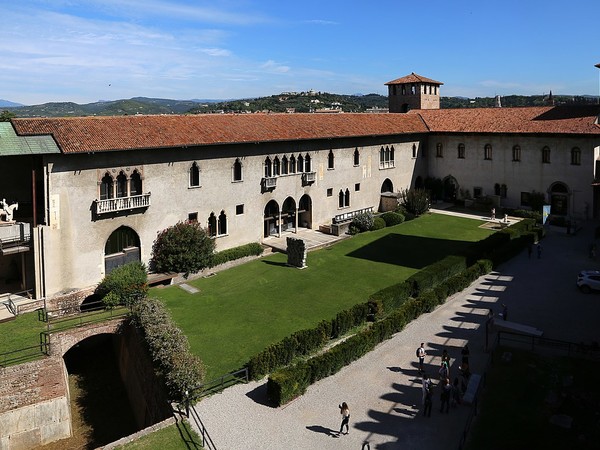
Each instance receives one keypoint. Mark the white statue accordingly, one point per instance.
(8, 210)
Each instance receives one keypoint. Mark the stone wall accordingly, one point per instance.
(34, 404)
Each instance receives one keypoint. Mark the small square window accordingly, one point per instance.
(239, 209)
(193, 217)
(330, 192)
(357, 187)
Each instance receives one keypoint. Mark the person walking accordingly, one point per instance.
(428, 402)
(345, 412)
(421, 356)
(445, 395)
(444, 372)
(425, 386)
(446, 357)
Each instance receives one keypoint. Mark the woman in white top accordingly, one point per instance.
(345, 412)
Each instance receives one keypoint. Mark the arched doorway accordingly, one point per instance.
(559, 199)
(305, 211)
(122, 246)
(288, 215)
(387, 186)
(271, 219)
(450, 188)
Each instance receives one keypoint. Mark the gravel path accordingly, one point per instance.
(383, 389)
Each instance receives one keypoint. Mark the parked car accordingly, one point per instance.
(588, 281)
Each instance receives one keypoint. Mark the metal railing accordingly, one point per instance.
(122, 203)
(351, 215)
(11, 298)
(206, 442)
(545, 345)
(218, 384)
(78, 315)
(26, 354)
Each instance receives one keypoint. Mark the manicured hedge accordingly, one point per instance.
(290, 382)
(392, 218)
(251, 249)
(378, 223)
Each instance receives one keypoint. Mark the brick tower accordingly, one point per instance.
(413, 92)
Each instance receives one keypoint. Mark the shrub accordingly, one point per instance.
(169, 348)
(125, 285)
(392, 218)
(378, 223)
(251, 249)
(185, 248)
(415, 200)
(363, 222)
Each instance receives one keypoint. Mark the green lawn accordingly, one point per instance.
(240, 311)
(20, 333)
(175, 437)
(522, 395)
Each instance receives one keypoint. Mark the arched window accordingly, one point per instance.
(503, 191)
(387, 156)
(330, 160)
(381, 157)
(575, 156)
(307, 163)
(546, 155)
(341, 199)
(106, 187)
(123, 237)
(276, 167)
(222, 224)
(300, 163)
(516, 153)
(212, 225)
(439, 150)
(461, 151)
(121, 185)
(487, 151)
(356, 157)
(194, 175)
(347, 197)
(268, 168)
(414, 150)
(135, 183)
(392, 157)
(292, 164)
(237, 170)
(284, 165)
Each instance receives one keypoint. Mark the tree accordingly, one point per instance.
(125, 285)
(183, 248)
(6, 115)
(415, 201)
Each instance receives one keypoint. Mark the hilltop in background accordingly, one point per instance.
(299, 102)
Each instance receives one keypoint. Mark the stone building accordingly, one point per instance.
(93, 192)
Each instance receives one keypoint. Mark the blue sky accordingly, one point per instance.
(89, 50)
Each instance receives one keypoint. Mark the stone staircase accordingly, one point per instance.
(11, 305)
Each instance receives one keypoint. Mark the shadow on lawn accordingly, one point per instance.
(411, 251)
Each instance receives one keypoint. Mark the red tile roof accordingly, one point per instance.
(97, 134)
(414, 78)
(531, 120)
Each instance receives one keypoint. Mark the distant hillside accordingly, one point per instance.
(299, 102)
(5, 103)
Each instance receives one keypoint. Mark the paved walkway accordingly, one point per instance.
(383, 389)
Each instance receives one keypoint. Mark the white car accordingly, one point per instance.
(588, 281)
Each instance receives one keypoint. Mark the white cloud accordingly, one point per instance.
(275, 67)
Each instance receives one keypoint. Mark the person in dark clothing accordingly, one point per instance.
(428, 402)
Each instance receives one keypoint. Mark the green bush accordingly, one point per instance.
(185, 248)
(436, 273)
(406, 213)
(416, 201)
(169, 349)
(389, 298)
(126, 285)
(378, 223)
(392, 218)
(251, 249)
(362, 222)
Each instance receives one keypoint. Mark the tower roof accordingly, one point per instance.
(414, 78)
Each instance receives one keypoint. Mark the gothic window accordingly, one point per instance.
(439, 150)
(341, 199)
(276, 167)
(284, 166)
(414, 150)
(268, 168)
(300, 162)
(212, 225)
(575, 156)
(487, 151)
(222, 223)
(546, 155)
(237, 170)
(194, 175)
(516, 153)
(121, 185)
(135, 183)
(461, 151)
(106, 187)
(307, 163)
(347, 197)
(292, 164)
(330, 160)
(356, 157)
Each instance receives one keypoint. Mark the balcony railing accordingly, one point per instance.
(386, 164)
(309, 178)
(270, 182)
(112, 205)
